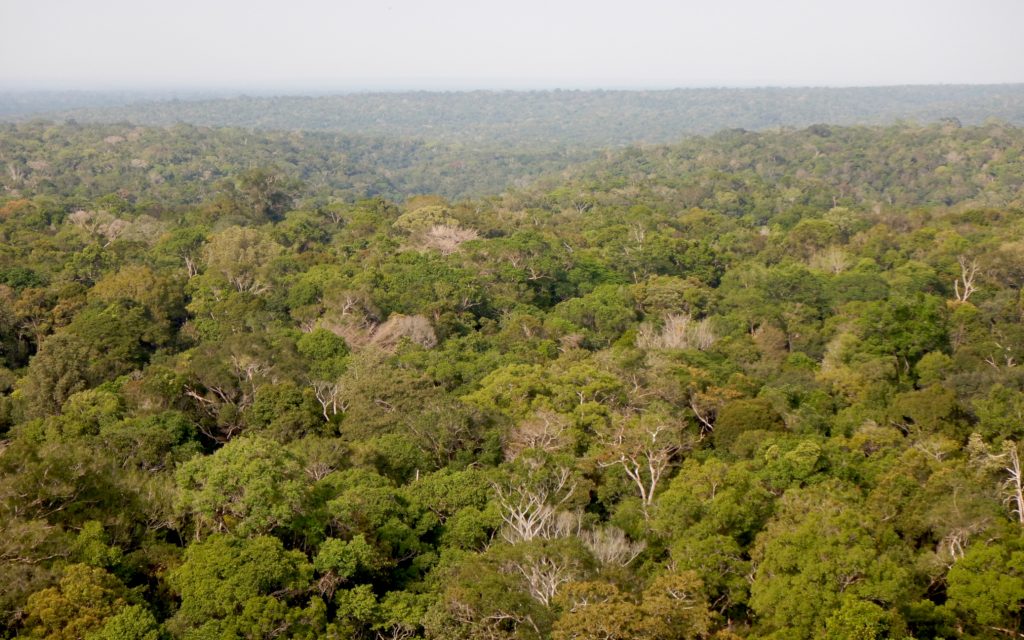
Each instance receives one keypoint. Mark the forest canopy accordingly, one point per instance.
(307, 385)
(594, 119)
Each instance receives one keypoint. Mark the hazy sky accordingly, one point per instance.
(439, 44)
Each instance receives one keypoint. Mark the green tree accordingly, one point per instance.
(987, 586)
(238, 586)
(819, 549)
(905, 328)
(82, 603)
(134, 622)
(242, 257)
(249, 486)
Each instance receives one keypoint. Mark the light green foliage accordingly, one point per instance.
(363, 502)
(151, 442)
(400, 612)
(718, 389)
(672, 607)
(356, 606)
(1001, 413)
(746, 416)
(224, 575)
(597, 609)
(987, 584)
(84, 600)
(250, 486)
(517, 390)
(118, 335)
(929, 410)
(92, 546)
(284, 412)
(426, 284)
(423, 218)
(660, 295)
(863, 620)
(602, 315)
(131, 623)
(242, 258)
(160, 296)
(342, 559)
(907, 328)
(87, 413)
(790, 463)
(57, 371)
(723, 498)
(817, 550)
(324, 352)
(933, 367)
(301, 231)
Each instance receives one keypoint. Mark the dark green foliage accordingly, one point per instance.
(737, 387)
(741, 420)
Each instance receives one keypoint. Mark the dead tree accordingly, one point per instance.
(964, 286)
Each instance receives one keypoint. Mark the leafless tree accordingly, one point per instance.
(544, 574)
(214, 399)
(964, 286)
(416, 328)
(611, 546)
(530, 506)
(679, 331)
(644, 445)
(545, 430)
(447, 238)
(329, 395)
(17, 175)
(1008, 462)
(1013, 486)
(831, 259)
(100, 224)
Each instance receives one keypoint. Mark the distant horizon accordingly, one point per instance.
(387, 87)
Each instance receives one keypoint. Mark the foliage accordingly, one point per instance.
(754, 385)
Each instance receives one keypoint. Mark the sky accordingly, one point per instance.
(343, 45)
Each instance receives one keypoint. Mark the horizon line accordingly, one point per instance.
(399, 87)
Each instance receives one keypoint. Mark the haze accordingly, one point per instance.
(314, 45)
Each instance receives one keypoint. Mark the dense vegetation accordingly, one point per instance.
(16, 104)
(578, 119)
(756, 385)
(183, 164)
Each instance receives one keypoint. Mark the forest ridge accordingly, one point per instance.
(503, 120)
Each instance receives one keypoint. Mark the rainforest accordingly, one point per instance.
(268, 379)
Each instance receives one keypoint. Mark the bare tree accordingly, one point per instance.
(99, 224)
(221, 396)
(1009, 463)
(1013, 486)
(329, 395)
(447, 238)
(679, 331)
(545, 431)
(964, 286)
(397, 631)
(644, 445)
(831, 259)
(488, 627)
(17, 175)
(611, 546)
(416, 329)
(544, 574)
(530, 506)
